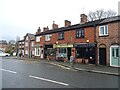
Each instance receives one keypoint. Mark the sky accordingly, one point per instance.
(18, 17)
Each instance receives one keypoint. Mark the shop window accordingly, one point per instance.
(51, 51)
(62, 50)
(85, 52)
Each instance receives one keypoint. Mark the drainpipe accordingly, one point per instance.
(96, 53)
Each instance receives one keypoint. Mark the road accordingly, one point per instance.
(39, 74)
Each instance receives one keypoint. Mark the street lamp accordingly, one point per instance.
(87, 49)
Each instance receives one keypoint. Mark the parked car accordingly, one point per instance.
(3, 54)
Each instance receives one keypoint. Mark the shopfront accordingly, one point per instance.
(49, 51)
(63, 51)
(85, 51)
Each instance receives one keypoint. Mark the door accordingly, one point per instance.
(114, 56)
(102, 56)
(68, 53)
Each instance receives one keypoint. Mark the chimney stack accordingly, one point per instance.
(67, 23)
(83, 18)
(54, 26)
(38, 30)
(45, 29)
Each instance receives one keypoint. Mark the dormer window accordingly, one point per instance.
(103, 30)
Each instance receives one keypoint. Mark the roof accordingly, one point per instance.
(21, 40)
(82, 25)
(110, 20)
(72, 27)
(31, 36)
(3, 42)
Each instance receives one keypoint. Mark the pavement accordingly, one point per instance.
(80, 67)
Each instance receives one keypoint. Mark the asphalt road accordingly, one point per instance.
(38, 74)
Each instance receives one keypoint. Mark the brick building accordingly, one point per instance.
(20, 48)
(29, 45)
(108, 41)
(76, 40)
(96, 42)
(3, 45)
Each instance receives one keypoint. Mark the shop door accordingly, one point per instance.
(102, 56)
(68, 53)
(114, 56)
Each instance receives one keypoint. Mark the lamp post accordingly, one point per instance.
(87, 50)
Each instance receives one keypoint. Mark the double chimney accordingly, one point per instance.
(38, 30)
(67, 23)
(83, 18)
(45, 29)
(54, 26)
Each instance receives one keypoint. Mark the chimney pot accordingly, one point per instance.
(54, 26)
(45, 29)
(83, 18)
(67, 23)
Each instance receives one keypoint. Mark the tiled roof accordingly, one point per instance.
(31, 36)
(72, 27)
(110, 19)
(82, 25)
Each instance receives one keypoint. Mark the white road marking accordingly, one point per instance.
(49, 80)
(8, 71)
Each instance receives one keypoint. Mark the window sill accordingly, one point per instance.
(60, 39)
(103, 35)
(80, 37)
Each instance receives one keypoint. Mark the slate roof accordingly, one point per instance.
(82, 25)
(31, 36)
(110, 20)
(3, 42)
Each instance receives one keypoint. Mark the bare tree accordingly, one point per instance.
(99, 14)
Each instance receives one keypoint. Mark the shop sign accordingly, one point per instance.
(65, 45)
(85, 45)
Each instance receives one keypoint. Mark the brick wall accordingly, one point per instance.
(70, 37)
(109, 40)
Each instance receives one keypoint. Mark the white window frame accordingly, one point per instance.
(32, 43)
(26, 44)
(104, 30)
(36, 52)
(37, 38)
(26, 51)
(26, 37)
(47, 37)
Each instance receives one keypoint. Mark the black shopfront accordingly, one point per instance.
(86, 51)
(49, 50)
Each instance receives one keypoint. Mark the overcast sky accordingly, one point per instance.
(18, 17)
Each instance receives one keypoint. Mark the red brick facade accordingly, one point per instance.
(113, 38)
